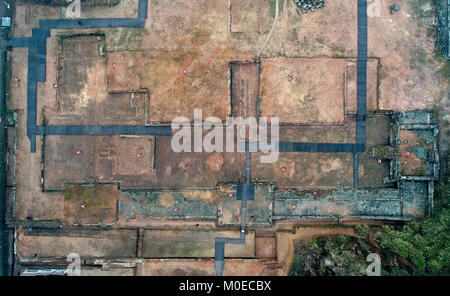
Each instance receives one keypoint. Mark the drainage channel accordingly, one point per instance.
(37, 50)
(245, 192)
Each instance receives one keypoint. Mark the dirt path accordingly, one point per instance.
(271, 31)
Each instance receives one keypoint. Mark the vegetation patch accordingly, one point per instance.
(416, 248)
(339, 256)
(305, 6)
(273, 6)
(445, 70)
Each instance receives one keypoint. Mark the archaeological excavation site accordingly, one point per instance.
(348, 97)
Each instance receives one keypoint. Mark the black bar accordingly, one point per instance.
(104, 130)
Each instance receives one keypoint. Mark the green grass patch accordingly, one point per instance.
(273, 7)
(444, 70)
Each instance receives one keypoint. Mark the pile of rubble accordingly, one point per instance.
(304, 6)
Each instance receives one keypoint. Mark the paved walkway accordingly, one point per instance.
(357, 147)
(37, 51)
(37, 70)
(360, 141)
(219, 252)
(322, 147)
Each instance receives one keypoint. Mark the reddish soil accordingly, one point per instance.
(410, 163)
(303, 91)
(245, 89)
